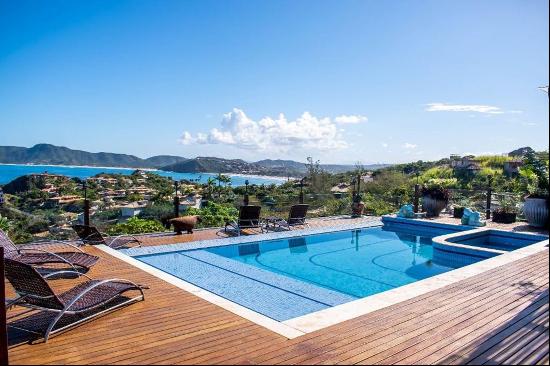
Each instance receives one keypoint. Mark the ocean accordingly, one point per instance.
(9, 172)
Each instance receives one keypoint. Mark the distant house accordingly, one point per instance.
(132, 209)
(367, 177)
(466, 163)
(511, 168)
(192, 200)
(63, 200)
(103, 180)
(340, 189)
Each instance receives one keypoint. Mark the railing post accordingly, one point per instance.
(302, 191)
(3, 321)
(489, 198)
(246, 199)
(86, 205)
(176, 201)
(416, 197)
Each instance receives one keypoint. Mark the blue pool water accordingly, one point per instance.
(9, 172)
(287, 278)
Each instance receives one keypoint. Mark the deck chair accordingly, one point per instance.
(92, 236)
(82, 303)
(249, 218)
(296, 217)
(40, 254)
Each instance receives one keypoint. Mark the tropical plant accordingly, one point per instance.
(538, 168)
(507, 204)
(4, 224)
(436, 191)
(214, 214)
(136, 225)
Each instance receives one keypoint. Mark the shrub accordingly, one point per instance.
(4, 224)
(436, 191)
(136, 225)
(214, 214)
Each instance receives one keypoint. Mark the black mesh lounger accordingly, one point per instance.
(296, 217)
(40, 254)
(92, 236)
(249, 218)
(85, 301)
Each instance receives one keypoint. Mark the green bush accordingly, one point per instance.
(214, 214)
(136, 225)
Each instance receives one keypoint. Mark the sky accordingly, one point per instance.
(341, 81)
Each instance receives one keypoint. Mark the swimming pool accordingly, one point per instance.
(287, 278)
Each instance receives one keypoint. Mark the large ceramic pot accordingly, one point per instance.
(536, 211)
(432, 206)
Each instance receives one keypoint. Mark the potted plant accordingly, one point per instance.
(507, 211)
(357, 206)
(459, 206)
(535, 208)
(434, 199)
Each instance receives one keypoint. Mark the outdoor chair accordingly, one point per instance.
(249, 218)
(40, 254)
(63, 311)
(92, 236)
(296, 217)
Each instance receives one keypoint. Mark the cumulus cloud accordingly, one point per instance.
(350, 119)
(409, 146)
(272, 134)
(445, 107)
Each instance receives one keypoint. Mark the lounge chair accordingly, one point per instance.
(90, 235)
(296, 217)
(39, 254)
(249, 218)
(85, 301)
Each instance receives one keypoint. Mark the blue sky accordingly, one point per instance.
(342, 81)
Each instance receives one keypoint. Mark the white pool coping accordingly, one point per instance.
(302, 325)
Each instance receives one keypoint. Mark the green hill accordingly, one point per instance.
(58, 155)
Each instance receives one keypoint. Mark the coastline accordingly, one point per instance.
(80, 166)
(278, 180)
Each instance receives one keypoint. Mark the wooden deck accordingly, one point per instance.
(498, 317)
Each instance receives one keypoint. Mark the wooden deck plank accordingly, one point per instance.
(497, 317)
(390, 319)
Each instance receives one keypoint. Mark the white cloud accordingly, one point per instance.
(385, 145)
(272, 134)
(186, 138)
(350, 119)
(410, 146)
(445, 107)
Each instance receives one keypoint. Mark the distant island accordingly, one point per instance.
(47, 154)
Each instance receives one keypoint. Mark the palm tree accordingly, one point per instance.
(210, 184)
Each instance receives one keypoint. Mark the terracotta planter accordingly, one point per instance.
(504, 217)
(536, 211)
(432, 206)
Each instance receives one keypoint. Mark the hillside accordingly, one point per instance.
(163, 160)
(58, 155)
(209, 164)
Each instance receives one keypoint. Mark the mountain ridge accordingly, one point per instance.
(49, 154)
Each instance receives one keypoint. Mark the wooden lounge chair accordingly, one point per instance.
(296, 217)
(40, 254)
(92, 236)
(249, 218)
(85, 301)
